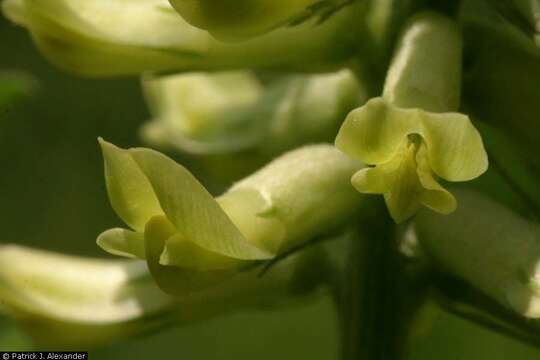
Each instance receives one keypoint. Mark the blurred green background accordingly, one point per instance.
(52, 196)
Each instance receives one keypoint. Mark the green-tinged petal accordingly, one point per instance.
(397, 180)
(455, 148)
(374, 132)
(122, 242)
(77, 301)
(489, 246)
(406, 182)
(375, 180)
(192, 210)
(130, 193)
(433, 196)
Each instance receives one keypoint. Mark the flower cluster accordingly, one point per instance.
(341, 99)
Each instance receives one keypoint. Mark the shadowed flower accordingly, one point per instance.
(224, 112)
(115, 37)
(490, 247)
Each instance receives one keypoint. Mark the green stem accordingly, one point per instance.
(369, 309)
(379, 295)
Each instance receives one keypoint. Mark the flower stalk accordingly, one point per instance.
(380, 293)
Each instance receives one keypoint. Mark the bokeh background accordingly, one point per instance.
(52, 196)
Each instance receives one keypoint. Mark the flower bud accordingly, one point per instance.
(192, 241)
(233, 19)
(409, 135)
(222, 112)
(84, 37)
(490, 247)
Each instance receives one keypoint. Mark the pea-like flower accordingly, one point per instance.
(236, 19)
(115, 37)
(410, 149)
(76, 302)
(411, 135)
(192, 240)
(229, 111)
